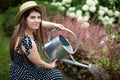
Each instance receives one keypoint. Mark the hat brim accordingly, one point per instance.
(19, 14)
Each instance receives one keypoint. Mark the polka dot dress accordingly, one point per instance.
(23, 69)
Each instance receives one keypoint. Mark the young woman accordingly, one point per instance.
(27, 38)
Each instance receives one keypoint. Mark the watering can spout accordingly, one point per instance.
(74, 63)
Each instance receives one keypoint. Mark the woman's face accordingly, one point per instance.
(33, 20)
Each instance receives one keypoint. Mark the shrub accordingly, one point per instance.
(110, 3)
(9, 22)
(91, 49)
(88, 39)
(85, 11)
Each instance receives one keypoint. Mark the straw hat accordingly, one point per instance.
(27, 5)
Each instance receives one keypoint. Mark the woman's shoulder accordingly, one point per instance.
(27, 41)
(25, 36)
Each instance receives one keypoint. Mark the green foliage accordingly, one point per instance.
(110, 3)
(77, 2)
(4, 58)
(9, 22)
(111, 66)
(50, 10)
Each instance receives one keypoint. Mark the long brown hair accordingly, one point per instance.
(19, 31)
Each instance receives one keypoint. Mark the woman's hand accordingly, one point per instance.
(53, 63)
(58, 26)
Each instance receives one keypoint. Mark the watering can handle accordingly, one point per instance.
(75, 37)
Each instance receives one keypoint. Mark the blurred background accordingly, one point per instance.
(95, 22)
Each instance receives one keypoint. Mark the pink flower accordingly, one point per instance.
(113, 26)
(101, 32)
(118, 29)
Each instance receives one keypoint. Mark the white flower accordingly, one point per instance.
(78, 12)
(96, 2)
(117, 13)
(106, 38)
(105, 9)
(58, 4)
(102, 42)
(101, 12)
(72, 15)
(78, 15)
(67, 5)
(100, 7)
(80, 19)
(90, 3)
(87, 14)
(85, 24)
(71, 9)
(53, 3)
(100, 18)
(66, 1)
(92, 9)
(85, 8)
(111, 21)
(86, 18)
(105, 23)
(113, 36)
(62, 8)
(67, 13)
(110, 13)
(106, 18)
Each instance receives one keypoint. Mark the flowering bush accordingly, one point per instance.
(95, 46)
(87, 11)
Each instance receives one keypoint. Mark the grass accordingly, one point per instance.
(4, 55)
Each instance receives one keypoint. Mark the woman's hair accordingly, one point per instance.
(20, 29)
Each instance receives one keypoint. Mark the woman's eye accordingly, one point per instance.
(32, 17)
(39, 17)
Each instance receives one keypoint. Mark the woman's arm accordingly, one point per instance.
(52, 24)
(35, 58)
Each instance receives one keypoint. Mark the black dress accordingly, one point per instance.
(23, 69)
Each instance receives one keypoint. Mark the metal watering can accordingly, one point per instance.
(59, 46)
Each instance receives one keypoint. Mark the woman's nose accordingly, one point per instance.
(37, 20)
